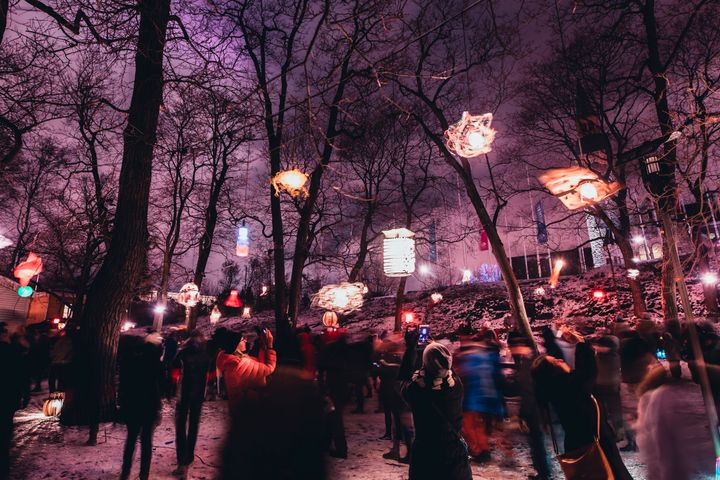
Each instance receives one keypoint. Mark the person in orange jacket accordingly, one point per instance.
(242, 372)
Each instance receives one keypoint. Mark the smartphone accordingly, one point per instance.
(424, 333)
(660, 354)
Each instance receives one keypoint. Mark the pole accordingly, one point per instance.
(691, 328)
(527, 272)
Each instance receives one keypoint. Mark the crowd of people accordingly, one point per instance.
(445, 403)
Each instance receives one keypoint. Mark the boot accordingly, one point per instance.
(392, 455)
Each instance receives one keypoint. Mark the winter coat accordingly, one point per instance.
(62, 351)
(672, 433)
(243, 372)
(141, 376)
(479, 369)
(636, 355)
(388, 372)
(437, 451)
(193, 362)
(572, 402)
(608, 367)
(14, 378)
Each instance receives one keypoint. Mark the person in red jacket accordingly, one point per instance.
(242, 372)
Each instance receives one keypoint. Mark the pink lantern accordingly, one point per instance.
(233, 300)
(28, 269)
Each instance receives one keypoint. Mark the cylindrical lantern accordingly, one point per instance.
(247, 312)
(242, 246)
(233, 300)
(330, 319)
(398, 252)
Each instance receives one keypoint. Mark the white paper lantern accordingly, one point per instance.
(398, 252)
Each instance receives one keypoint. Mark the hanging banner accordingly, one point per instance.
(542, 233)
(484, 242)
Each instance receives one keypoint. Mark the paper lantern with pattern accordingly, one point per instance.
(398, 252)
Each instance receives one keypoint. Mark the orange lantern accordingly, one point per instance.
(330, 319)
(233, 300)
(28, 269)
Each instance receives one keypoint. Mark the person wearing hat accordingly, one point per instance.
(14, 394)
(435, 396)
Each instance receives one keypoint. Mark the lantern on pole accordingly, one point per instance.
(398, 252)
(242, 246)
(471, 136)
(24, 271)
(578, 187)
(215, 315)
(233, 300)
(189, 296)
(291, 181)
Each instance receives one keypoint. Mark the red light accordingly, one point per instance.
(409, 317)
(233, 300)
(55, 321)
(598, 294)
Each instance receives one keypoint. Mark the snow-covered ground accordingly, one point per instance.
(45, 450)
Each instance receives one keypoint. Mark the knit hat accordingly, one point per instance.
(436, 367)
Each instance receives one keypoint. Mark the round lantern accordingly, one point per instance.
(189, 295)
(233, 300)
(471, 136)
(291, 181)
(242, 246)
(330, 319)
(24, 271)
(53, 405)
(215, 315)
(398, 252)
(25, 291)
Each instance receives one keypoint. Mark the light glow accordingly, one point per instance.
(588, 192)
(159, 309)
(539, 291)
(467, 276)
(290, 181)
(709, 278)
(247, 312)
(633, 273)
(409, 317)
(215, 315)
(189, 295)
(555, 275)
(343, 298)
(424, 269)
(128, 325)
(25, 291)
(471, 136)
(436, 297)
(233, 300)
(638, 239)
(24, 271)
(598, 294)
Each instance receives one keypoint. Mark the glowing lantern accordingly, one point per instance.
(159, 309)
(247, 312)
(62, 325)
(53, 405)
(127, 326)
(25, 291)
(638, 239)
(291, 181)
(189, 295)
(436, 297)
(264, 290)
(471, 136)
(398, 252)
(467, 276)
(709, 278)
(215, 315)
(598, 294)
(341, 298)
(4, 241)
(330, 319)
(539, 291)
(56, 321)
(555, 275)
(578, 187)
(233, 300)
(633, 273)
(242, 246)
(408, 317)
(24, 271)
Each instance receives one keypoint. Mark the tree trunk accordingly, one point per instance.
(667, 287)
(517, 304)
(710, 291)
(113, 287)
(280, 287)
(4, 6)
(364, 243)
(204, 250)
(162, 293)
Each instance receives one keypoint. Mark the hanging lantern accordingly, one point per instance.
(555, 275)
(578, 187)
(264, 290)
(247, 312)
(436, 297)
(471, 136)
(330, 319)
(24, 271)
(53, 405)
(398, 252)
(242, 246)
(215, 315)
(189, 295)
(233, 300)
(25, 291)
(291, 181)
(341, 298)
